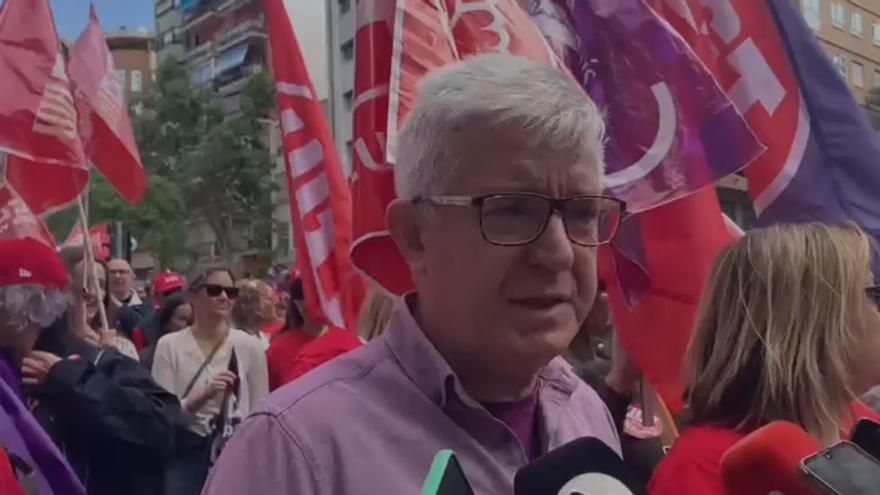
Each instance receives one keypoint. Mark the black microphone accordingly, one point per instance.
(866, 434)
(585, 466)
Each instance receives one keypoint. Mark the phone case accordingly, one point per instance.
(842, 464)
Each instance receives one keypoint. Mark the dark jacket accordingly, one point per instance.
(110, 419)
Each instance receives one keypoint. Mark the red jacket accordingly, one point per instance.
(693, 466)
(281, 355)
(332, 344)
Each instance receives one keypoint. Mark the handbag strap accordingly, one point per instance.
(202, 369)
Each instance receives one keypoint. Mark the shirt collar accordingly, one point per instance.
(430, 371)
(133, 299)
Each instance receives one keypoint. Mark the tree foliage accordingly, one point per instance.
(203, 165)
(222, 162)
(158, 222)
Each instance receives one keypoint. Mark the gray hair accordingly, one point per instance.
(24, 305)
(497, 89)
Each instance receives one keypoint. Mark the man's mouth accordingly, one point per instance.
(540, 303)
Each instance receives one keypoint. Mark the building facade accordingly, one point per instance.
(225, 42)
(135, 62)
(341, 49)
(169, 35)
(849, 30)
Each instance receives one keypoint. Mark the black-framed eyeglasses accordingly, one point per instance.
(874, 294)
(215, 291)
(514, 219)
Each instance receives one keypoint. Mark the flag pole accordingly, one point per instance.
(89, 268)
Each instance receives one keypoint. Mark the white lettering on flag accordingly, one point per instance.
(305, 158)
(290, 121)
(725, 19)
(762, 86)
(311, 194)
(294, 89)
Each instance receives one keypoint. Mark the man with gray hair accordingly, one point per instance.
(499, 214)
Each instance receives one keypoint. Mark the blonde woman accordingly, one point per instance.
(254, 309)
(375, 313)
(218, 372)
(788, 329)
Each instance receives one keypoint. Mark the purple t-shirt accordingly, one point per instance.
(521, 416)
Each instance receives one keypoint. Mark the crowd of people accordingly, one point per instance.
(504, 351)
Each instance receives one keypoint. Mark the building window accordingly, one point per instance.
(120, 76)
(855, 24)
(858, 75)
(348, 100)
(811, 13)
(345, 6)
(136, 82)
(168, 37)
(840, 63)
(876, 29)
(347, 50)
(877, 78)
(838, 15)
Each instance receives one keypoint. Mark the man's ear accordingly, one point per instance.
(405, 224)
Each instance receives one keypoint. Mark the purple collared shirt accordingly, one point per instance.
(371, 421)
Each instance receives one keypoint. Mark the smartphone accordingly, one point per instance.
(866, 435)
(842, 469)
(446, 477)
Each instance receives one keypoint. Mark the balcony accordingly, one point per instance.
(233, 81)
(211, 9)
(198, 52)
(253, 28)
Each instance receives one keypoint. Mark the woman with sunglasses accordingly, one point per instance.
(215, 370)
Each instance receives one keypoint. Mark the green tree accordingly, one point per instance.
(222, 162)
(203, 166)
(158, 222)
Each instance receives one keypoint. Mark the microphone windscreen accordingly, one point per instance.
(585, 465)
(768, 460)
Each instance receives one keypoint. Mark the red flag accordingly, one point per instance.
(740, 44)
(38, 125)
(104, 123)
(372, 180)
(27, 248)
(320, 202)
(425, 36)
(98, 235)
(657, 329)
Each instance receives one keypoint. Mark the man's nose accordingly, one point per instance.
(553, 249)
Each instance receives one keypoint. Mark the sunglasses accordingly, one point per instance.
(215, 291)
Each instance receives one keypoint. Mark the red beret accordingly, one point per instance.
(27, 250)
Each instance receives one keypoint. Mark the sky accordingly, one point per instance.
(71, 16)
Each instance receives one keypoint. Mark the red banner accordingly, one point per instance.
(426, 36)
(104, 123)
(739, 43)
(320, 202)
(38, 124)
(98, 236)
(27, 248)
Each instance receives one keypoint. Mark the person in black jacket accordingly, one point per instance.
(112, 421)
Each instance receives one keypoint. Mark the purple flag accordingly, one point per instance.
(838, 178)
(670, 126)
